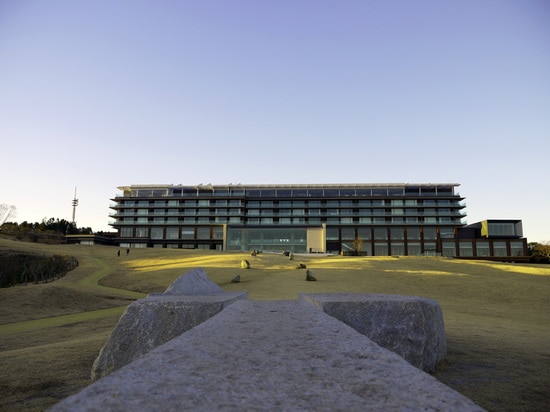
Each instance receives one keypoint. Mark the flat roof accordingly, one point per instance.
(210, 186)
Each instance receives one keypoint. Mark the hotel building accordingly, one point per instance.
(365, 219)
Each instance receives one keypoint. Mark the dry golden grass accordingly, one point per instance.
(496, 315)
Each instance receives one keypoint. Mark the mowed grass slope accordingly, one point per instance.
(496, 314)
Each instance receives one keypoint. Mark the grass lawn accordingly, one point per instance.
(496, 314)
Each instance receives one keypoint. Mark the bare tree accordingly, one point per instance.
(357, 245)
(6, 212)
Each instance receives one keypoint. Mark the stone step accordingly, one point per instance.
(269, 356)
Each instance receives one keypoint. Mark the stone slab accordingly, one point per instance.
(150, 322)
(410, 326)
(263, 355)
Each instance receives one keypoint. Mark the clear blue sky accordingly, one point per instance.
(99, 94)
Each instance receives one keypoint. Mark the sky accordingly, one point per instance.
(100, 94)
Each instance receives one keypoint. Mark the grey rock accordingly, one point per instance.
(147, 323)
(410, 326)
(291, 356)
(150, 322)
(194, 282)
(310, 277)
(236, 279)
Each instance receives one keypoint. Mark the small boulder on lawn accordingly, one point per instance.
(309, 276)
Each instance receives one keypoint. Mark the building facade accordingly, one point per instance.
(365, 219)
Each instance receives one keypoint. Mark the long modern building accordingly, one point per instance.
(367, 219)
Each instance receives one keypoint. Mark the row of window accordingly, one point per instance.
(288, 203)
(463, 249)
(289, 220)
(289, 212)
(448, 248)
(344, 233)
(238, 190)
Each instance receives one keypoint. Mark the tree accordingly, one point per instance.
(540, 253)
(6, 212)
(357, 246)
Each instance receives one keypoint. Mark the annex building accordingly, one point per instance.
(366, 219)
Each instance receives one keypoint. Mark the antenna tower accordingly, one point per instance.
(75, 204)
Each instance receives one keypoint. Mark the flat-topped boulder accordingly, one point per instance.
(263, 355)
(407, 325)
(147, 323)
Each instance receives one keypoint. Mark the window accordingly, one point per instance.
(516, 248)
(142, 232)
(364, 233)
(203, 232)
(430, 248)
(396, 233)
(413, 233)
(414, 248)
(348, 233)
(381, 233)
(501, 229)
(448, 248)
(380, 249)
(332, 233)
(430, 233)
(446, 232)
(482, 248)
(172, 233)
(397, 249)
(499, 249)
(126, 232)
(188, 232)
(156, 233)
(465, 249)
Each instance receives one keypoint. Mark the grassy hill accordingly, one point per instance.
(496, 314)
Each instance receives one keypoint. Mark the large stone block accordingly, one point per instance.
(147, 323)
(264, 356)
(410, 326)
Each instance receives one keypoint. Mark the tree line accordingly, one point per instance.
(48, 231)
